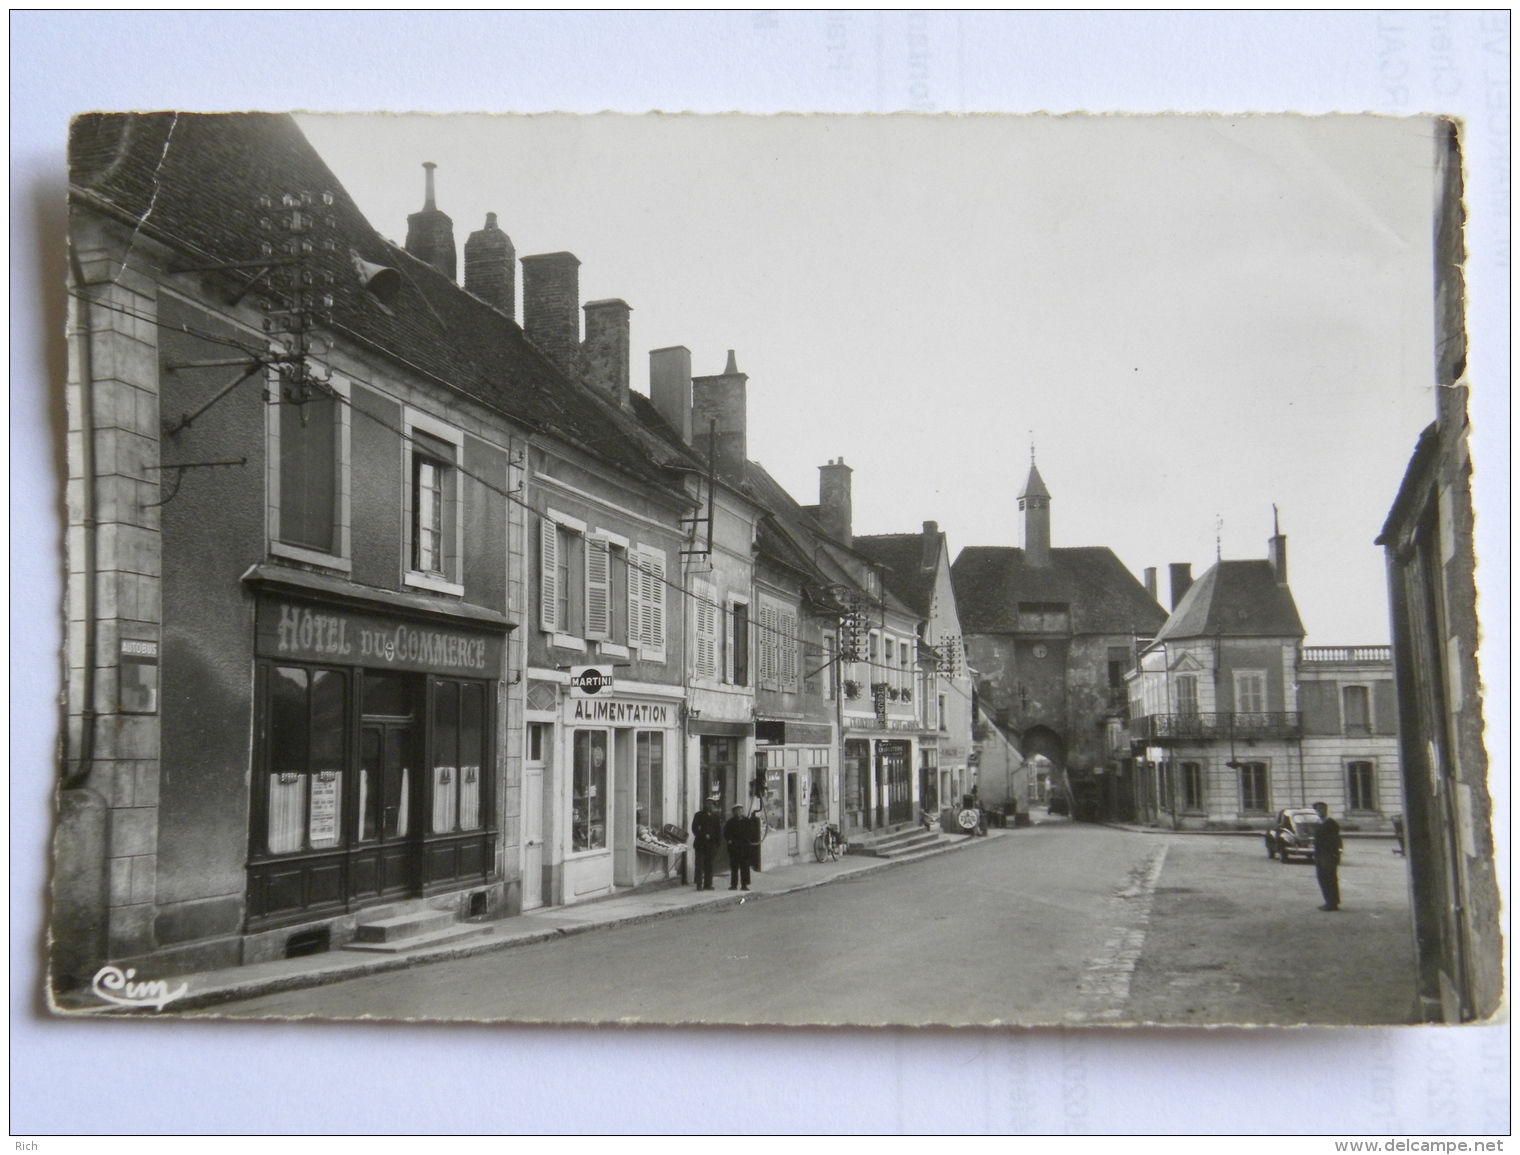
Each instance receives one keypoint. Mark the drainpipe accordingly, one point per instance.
(85, 763)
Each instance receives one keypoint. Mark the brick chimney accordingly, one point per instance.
(670, 387)
(834, 508)
(430, 233)
(930, 557)
(1182, 578)
(605, 351)
(551, 308)
(722, 397)
(1150, 581)
(490, 267)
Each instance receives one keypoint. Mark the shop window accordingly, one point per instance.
(1360, 783)
(307, 476)
(818, 793)
(649, 752)
(1356, 709)
(307, 727)
(458, 768)
(1253, 787)
(434, 513)
(588, 797)
(1192, 786)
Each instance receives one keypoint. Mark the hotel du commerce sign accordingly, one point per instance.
(329, 634)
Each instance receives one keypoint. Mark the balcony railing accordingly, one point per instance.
(1348, 653)
(1211, 727)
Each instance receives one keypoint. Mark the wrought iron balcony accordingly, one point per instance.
(1159, 729)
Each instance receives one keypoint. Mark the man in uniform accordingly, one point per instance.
(1327, 857)
(737, 835)
(706, 831)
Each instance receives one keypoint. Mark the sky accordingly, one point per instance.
(1190, 318)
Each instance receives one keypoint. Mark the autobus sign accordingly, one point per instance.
(590, 681)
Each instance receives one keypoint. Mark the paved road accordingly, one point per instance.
(1052, 924)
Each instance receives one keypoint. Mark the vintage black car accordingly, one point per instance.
(1292, 834)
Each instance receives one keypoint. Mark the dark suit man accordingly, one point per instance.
(1327, 857)
(706, 832)
(737, 835)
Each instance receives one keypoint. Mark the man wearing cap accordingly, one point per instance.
(706, 831)
(738, 837)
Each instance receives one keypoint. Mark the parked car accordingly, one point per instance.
(1292, 834)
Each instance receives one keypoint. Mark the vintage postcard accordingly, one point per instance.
(771, 570)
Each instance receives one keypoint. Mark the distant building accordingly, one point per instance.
(1428, 539)
(1234, 719)
(1051, 634)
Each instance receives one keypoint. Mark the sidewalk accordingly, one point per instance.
(1135, 828)
(210, 987)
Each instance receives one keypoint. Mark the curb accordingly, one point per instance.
(235, 990)
(1347, 834)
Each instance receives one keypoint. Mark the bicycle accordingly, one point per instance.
(829, 844)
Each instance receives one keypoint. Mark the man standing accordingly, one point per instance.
(1327, 857)
(706, 830)
(736, 834)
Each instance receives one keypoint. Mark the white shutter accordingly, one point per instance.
(767, 647)
(635, 595)
(598, 589)
(704, 630)
(787, 640)
(728, 643)
(548, 575)
(652, 609)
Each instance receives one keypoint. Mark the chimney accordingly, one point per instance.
(430, 233)
(551, 307)
(930, 556)
(1182, 578)
(490, 267)
(670, 387)
(605, 352)
(834, 501)
(722, 397)
(1277, 551)
(1150, 582)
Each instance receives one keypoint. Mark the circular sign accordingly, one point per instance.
(967, 819)
(591, 681)
(1040, 651)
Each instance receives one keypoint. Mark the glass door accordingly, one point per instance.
(389, 786)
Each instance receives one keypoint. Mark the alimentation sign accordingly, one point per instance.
(330, 634)
(618, 712)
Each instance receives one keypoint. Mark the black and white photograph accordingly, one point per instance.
(737, 570)
(461, 629)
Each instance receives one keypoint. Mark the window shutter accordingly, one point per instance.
(787, 640)
(728, 643)
(652, 618)
(548, 575)
(767, 639)
(598, 589)
(635, 595)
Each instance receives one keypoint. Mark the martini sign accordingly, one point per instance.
(591, 681)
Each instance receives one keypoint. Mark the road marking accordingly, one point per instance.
(1104, 987)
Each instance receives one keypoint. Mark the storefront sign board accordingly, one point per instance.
(320, 633)
(619, 712)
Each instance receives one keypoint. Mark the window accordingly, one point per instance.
(588, 797)
(776, 640)
(1187, 694)
(818, 794)
(704, 629)
(646, 602)
(830, 667)
(538, 741)
(1360, 783)
(435, 513)
(308, 435)
(1253, 787)
(649, 751)
(308, 716)
(1250, 692)
(736, 643)
(1356, 709)
(1044, 618)
(459, 733)
(1192, 785)
(944, 722)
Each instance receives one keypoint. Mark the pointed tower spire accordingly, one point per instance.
(1034, 500)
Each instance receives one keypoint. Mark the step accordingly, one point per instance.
(911, 846)
(450, 933)
(404, 926)
(888, 844)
